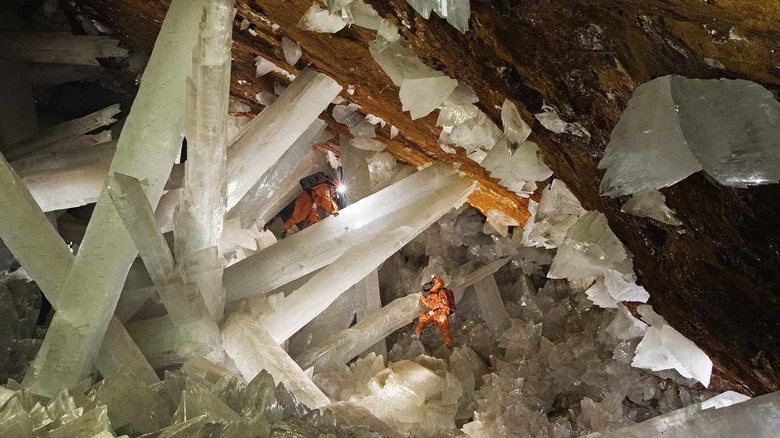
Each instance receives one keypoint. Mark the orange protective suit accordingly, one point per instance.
(306, 206)
(441, 304)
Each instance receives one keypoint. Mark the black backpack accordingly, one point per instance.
(314, 180)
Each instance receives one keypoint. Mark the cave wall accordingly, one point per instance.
(716, 278)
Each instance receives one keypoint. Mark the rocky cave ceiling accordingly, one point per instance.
(716, 278)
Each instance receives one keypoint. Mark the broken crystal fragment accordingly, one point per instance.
(292, 51)
(652, 205)
(317, 19)
(264, 66)
(365, 15)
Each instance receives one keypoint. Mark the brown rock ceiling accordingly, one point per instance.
(716, 278)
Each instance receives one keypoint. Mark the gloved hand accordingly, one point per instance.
(336, 213)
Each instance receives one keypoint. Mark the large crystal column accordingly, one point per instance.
(279, 185)
(357, 180)
(303, 305)
(58, 48)
(48, 260)
(324, 242)
(272, 132)
(200, 217)
(253, 350)
(150, 140)
(187, 309)
(344, 346)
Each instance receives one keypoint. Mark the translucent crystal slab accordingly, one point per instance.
(421, 95)
(514, 170)
(647, 150)
(515, 128)
(732, 127)
(292, 51)
(271, 133)
(52, 163)
(130, 402)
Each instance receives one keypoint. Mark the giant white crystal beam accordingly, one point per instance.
(647, 150)
(272, 132)
(357, 181)
(253, 350)
(280, 180)
(318, 293)
(150, 141)
(492, 306)
(99, 154)
(67, 188)
(47, 259)
(17, 107)
(758, 417)
(200, 217)
(324, 242)
(61, 133)
(458, 284)
(349, 343)
(58, 48)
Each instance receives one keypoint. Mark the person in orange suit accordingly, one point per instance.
(441, 303)
(318, 191)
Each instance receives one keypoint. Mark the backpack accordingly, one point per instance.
(314, 180)
(450, 300)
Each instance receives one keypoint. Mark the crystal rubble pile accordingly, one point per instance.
(527, 361)
(200, 400)
(675, 126)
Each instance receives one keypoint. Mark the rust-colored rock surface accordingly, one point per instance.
(717, 278)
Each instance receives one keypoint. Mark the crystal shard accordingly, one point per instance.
(292, 51)
(647, 150)
(665, 348)
(420, 96)
(652, 205)
(317, 19)
(515, 170)
(515, 128)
